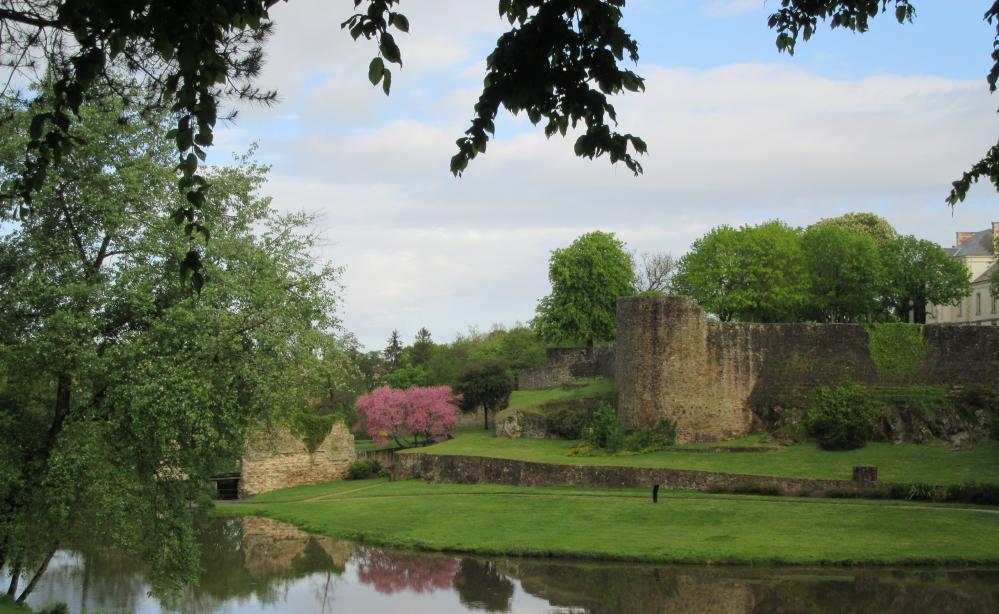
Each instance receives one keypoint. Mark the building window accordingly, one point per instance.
(978, 303)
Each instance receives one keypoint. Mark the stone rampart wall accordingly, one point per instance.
(562, 365)
(275, 458)
(711, 378)
(483, 470)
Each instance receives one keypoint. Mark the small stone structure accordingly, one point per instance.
(562, 365)
(516, 423)
(275, 458)
(711, 378)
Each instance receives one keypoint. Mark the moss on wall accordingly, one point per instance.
(897, 349)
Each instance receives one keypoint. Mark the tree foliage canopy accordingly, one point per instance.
(753, 273)
(852, 268)
(587, 279)
(121, 388)
(411, 416)
(918, 272)
(487, 385)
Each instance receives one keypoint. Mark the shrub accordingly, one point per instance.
(363, 469)
(651, 439)
(842, 418)
(605, 430)
(972, 492)
(567, 423)
(55, 608)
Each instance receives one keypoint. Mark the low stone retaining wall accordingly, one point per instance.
(478, 470)
(385, 458)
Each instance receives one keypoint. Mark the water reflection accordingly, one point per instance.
(258, 565)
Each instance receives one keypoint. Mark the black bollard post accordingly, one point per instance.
(655, 493)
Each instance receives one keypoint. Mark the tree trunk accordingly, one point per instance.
(38, 574)
(15, 576)
(485, 416)
(919, 312)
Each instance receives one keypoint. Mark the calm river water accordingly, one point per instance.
(260, 565)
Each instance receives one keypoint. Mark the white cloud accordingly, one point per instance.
(734, 144)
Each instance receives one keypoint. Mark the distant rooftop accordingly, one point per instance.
(976, 244)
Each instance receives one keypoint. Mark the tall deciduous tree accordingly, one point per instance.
(587, 279)
(654, 272)
(752, 274)
(845, 274)
(487, 385)
(918, 272)
(120, 387)
(874, 226)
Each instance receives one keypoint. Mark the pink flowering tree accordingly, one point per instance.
(410, 416)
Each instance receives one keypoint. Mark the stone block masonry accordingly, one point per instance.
(484, 470)
(275, 458)
(562, 365)
(711, 378)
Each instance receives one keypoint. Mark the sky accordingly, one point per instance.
(737, 134)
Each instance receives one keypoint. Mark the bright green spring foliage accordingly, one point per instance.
(897, 349)
(120, 386)
(750, 274)
(587, 279)
(843, 417)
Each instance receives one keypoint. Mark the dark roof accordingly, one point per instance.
(980, 244)
(987, 275)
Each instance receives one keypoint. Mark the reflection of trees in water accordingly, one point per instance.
(391, 572)
(908, 591)
(605, 588)
(260, 558)
(481, 586)
(103, 575)
(598, 588)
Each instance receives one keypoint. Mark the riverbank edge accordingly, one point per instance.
(234, 510)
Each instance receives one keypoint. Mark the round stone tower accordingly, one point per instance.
(663, 367)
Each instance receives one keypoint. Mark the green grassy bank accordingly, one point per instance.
(683, 527)
(936, 464)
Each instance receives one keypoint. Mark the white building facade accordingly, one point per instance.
(978, 252)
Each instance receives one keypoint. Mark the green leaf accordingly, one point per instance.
(389, 49)
(387, 81)
(375, 70)
(399, 21)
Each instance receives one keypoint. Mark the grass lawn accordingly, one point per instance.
(365, 445)
(896, 463)
(10, 608)
(579, 389)
(619, 524)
